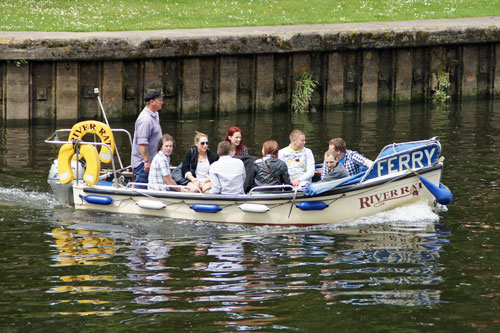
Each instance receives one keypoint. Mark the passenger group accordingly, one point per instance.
(231, 170)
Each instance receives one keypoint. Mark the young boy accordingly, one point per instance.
(335, 169)
(159, 174)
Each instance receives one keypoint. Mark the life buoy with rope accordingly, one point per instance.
(79, 130)
(89, 152)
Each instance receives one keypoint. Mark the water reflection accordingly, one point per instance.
(142, 273)
(81, 247)
(242, 273)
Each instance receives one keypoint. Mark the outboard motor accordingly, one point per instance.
(64, 192)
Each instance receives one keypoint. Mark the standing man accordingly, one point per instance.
(227, 175)
(352, 160)
(300, 160)
(147, 133)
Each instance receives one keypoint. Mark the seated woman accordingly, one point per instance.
(234, 136)
(159, 173)
(197, 163)
(335, 169)
(269, 170)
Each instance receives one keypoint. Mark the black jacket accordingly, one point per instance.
(262, 177)
(191, 160)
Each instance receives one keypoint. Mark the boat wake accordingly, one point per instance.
(19, 197)
(418, 216)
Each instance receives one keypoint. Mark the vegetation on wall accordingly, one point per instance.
(305, 87)
(441, 91)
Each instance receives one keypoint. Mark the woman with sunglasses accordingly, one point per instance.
(197, 163)
(233, 136)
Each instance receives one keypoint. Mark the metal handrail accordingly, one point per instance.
(79, 142)
(130, 184)
(53, 136)
(271, 187)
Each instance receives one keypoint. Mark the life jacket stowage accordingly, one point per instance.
(92, 170)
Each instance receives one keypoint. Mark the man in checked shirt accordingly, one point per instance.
(352, 160)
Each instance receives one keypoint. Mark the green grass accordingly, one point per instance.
(121, 15)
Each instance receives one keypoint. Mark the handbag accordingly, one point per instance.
(178, 177)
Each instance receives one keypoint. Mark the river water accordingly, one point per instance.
(411, 269)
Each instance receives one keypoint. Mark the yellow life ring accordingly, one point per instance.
(104, 132)
(92, 171)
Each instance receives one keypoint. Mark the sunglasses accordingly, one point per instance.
(204, 143)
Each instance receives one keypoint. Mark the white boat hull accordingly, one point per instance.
(343, 203)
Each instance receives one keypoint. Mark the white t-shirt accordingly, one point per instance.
(202, 171)
(300, 162)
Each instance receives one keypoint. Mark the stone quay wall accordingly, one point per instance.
(51, 76)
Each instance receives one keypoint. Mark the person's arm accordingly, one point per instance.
(170, 181)
(280, 154)
(361, 160)
(214, 180)
(285, 177)
(310, 167)
(186, 166)
(251, 176)
(143, 149)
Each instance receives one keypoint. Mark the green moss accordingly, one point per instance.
(83, 45)
(51, 44)
(282, 43)
(235, 47)
(422, 36)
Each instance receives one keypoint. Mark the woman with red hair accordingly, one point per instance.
(233, 136)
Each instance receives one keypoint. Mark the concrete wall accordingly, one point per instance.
(51, 76)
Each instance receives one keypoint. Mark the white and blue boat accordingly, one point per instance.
(402, 174)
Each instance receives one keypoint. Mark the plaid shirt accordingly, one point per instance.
(160, 167)
(352, 161)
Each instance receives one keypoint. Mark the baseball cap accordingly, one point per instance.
(152, 95)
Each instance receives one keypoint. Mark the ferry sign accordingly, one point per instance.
(415, 159)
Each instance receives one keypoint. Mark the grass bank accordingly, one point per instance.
(123, 15)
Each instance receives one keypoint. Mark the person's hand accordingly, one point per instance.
(147, 166)
(295, 182)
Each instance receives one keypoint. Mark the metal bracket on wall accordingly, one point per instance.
(206, 86)
(41, 94)
(130, 93)
(169, 90)
(88, 92)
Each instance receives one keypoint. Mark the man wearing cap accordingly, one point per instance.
(147, 133)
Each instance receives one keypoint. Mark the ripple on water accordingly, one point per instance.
(27, 198)
(387, 259)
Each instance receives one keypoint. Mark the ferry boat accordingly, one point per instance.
(402, 174)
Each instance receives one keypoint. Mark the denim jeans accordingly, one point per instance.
(141, 176)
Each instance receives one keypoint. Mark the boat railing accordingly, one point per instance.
(54, 139)
(163, 187)
(271, 187)
(77, 152)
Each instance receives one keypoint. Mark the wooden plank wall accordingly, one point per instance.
(44, 90)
